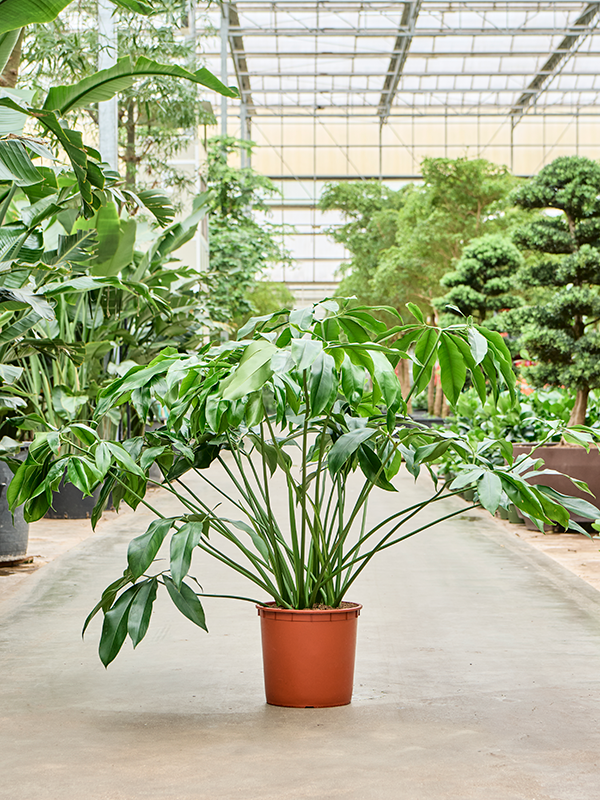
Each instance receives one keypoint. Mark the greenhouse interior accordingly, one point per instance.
(300, 399)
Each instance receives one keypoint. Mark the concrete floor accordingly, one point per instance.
(478, 677)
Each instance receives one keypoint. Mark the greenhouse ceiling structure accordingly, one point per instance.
(346, 90)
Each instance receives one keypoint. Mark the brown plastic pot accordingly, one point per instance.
(573, 461)
(308, 655)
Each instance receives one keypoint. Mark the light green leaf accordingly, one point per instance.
(123, 254)
(416, 312)
(83, 474)
(8, 41)
(252, 372)
(387, 380)
(15, 164)
(466, 478)
(19, 13)
(9, 373)
(122, 457)
(103, 85)
(353, 380)
(489, 489)
(305, 352)
(478, 345)
(257, 540)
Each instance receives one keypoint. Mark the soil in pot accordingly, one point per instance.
(573, 461)
(308, 655)
(14, 537)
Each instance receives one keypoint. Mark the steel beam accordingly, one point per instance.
(312, 54)
(390, 33)
(397, 62)
(238, 53)
(579, 30)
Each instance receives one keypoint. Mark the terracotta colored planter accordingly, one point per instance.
(573, 461)
(308, 655)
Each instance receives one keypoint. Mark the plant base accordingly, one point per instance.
(14, 537)
(308, 655)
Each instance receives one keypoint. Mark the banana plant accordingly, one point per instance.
(16, 14)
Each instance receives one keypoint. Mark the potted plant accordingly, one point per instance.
(312, 394)
(560, 332)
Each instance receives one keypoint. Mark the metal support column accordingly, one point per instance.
(108, 131)
(224, 78)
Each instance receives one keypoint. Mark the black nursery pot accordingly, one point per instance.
(69, 503)
(14, 538)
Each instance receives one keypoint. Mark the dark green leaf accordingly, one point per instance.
(141, 611)
(106, 601)
(323, 384)
(346, 446)
(452, 368)
(114, 628)
(183, 543)
(372, 468)
(143, 549)
(187, 602)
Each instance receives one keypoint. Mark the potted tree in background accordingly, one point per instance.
(312, 395)
(560, 332)
(483, 282)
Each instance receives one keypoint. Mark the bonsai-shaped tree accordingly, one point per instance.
(561, 333)
(484, 280)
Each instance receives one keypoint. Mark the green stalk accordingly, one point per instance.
(301, 588)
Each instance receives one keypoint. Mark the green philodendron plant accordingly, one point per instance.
(311, 394)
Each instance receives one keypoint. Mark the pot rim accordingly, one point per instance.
(272, 606)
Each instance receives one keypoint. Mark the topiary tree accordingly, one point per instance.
(561, 332)
(483, 282)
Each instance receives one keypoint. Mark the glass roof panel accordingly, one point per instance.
(319, 57)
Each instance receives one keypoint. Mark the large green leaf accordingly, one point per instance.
(107, 82)
(182, 545)
(489, 489)
(19, 13)
(252, 372)
(12, 120)
(143, 549)
(372, 468)
(387, 380)
(187, 602)
(141, 611)
(576, 505)
(15, 164)
(114, 628)
(323, 384)
(8, 41)
(453, 368)
(353, 380)
(346, 446)
(72, 141)
(123, 254)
